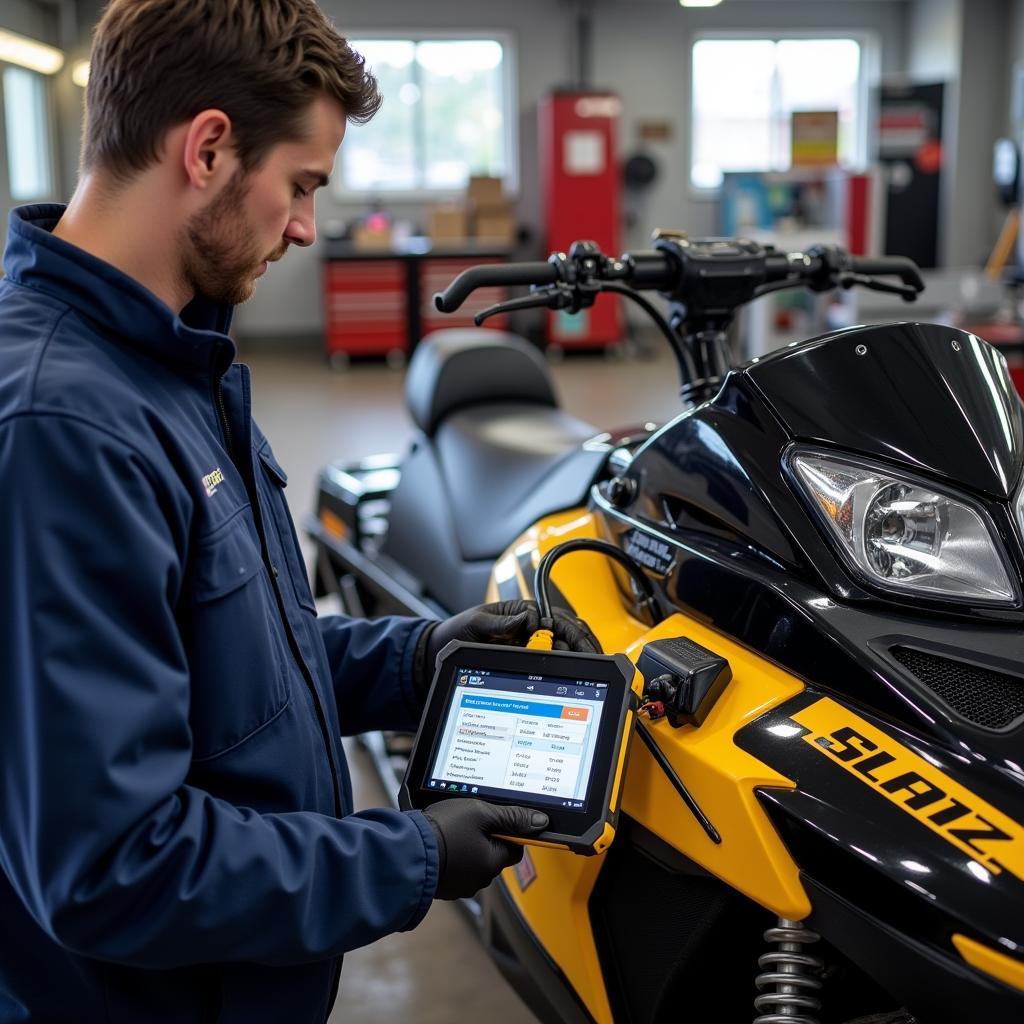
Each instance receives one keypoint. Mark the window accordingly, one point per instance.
(28, 134)
(446, 115)
(744, 91)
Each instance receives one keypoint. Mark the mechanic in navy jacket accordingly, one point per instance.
(177, 840)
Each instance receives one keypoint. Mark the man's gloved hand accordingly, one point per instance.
(504, 622)
(470, 856)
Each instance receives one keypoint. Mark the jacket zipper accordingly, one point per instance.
(293, 645)
(218, 399)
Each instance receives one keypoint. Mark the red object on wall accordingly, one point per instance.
(580, 182)
(858, 215)
(366, 307)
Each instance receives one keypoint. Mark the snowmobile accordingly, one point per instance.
(824, 821)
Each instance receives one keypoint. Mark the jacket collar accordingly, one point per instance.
(36, 258)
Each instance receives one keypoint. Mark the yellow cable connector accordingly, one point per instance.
(542, 640)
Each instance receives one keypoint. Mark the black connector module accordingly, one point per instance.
(688, 678)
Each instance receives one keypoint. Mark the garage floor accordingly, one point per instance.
(439, 972)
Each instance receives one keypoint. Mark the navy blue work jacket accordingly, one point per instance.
(176, 835)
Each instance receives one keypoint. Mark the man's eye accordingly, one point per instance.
(300, 192)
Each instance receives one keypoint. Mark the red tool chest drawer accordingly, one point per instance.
(366, 307)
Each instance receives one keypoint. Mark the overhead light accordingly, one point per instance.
(80, 73)
(699, 3)
(28, 53)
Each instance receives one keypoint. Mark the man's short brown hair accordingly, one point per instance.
(157, 63)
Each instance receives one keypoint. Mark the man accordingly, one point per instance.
(176, 835)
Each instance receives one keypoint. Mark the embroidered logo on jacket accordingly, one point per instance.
(212, 480)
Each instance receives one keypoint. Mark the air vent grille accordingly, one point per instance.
(989, 699)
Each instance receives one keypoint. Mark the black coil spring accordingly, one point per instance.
(789, 980)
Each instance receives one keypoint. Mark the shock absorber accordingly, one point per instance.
(789, 980)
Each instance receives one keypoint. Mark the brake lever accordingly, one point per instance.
(556, 296)
(526, 302)
(904, 291)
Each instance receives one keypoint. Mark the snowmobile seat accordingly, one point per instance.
(496, 454)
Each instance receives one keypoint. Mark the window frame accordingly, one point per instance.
(49, 137)
(343, 193)
(870, 76)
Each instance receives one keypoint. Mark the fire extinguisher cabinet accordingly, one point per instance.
(580, 184)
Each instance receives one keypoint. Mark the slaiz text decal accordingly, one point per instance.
(966, 821)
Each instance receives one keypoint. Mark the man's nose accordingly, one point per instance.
(301, 231)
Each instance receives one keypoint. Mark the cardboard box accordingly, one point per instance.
(498, 228)
(485, 193)
(364, 237)
(449, 222)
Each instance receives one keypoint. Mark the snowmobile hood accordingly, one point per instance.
(934, 398)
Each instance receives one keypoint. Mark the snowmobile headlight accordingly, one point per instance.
(906, 536)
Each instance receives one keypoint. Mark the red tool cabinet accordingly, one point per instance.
(580, 181)
(366, 307)
(382, 304)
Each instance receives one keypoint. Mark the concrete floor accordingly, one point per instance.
(439, 972)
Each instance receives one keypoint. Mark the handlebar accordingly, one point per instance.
(712, 277)
(706, 281)
(899, 266)
(647, 270)
(489, 275)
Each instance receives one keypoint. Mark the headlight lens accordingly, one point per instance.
(903, 535)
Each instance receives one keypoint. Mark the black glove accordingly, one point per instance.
(470, 857)
(504, 622)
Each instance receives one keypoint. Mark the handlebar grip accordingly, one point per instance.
(489, 275)
(652, 270)
(902, 266)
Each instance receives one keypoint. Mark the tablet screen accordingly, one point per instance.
(505, 734)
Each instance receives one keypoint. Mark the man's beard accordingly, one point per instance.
(221, 253)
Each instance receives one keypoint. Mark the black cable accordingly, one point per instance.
(542, 577)
(649, 600)
(778, 286)
(680, 787)
(654, 313)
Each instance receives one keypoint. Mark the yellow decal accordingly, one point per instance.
(997, 965)
(914, 785)
(212, 481)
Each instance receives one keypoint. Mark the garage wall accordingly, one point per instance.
(288, 299)
(30, 19)
(965, 45)
(933, 39)
(640, 49)
(27, 19)
(643, 52)
(1014, 61)
(982, 95)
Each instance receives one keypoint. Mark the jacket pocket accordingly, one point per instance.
(285, 529)
(226, 562)
(238, 654)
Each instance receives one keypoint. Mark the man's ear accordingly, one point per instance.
(209, 154)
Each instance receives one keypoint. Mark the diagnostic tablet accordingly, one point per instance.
(542, 729)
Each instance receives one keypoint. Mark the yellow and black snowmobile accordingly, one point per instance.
(833, 831)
